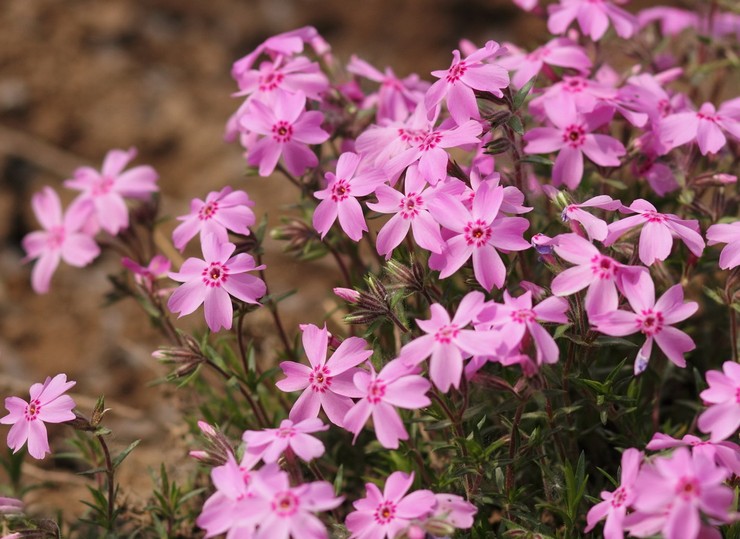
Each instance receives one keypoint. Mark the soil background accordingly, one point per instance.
(79, 77)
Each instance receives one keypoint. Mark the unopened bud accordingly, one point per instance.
(10, 506)
(347, 294)
(438, 527)
(499, 118)
(218, 450)
(497, 146)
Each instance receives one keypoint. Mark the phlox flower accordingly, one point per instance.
(212, 281)
(269, 444)
(559, 52)
(672, 20)
(654, 319)
(458, 83)
(295, 75)
(573, 136)
(339, 198)
(454, 510)
(285, 44)
(516, 317)
(706, 126)
(287, 130)
(615, 504)
(593, 17)
(658, 230)
(47, 404)
(722, 417)
(595, 228)
(108, 187)
(326, 383)
(146, 276)
(446, 341)
(221, 211)
(63, 237)
(384, 515)
(396, 384)
(726, 454)
(728, 233)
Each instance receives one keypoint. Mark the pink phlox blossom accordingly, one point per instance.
(448, 342)
(326, 383)
(212, 281)
(62, 238)
(411, 211)
(295, 75)
(145, 276)
(220, 212)
(646, 93)
(384, 515)
(615, 504)
(454, 510)
(658, 231)
(706, 126)
(339, 199)
(726, 454)
(654, 319)
(593, 18)
(728, 233)
(572, 135)
(516, 317)
(458, 83)
(47, 404)
(559, 52)
(286, 44)
(672, 494)
(659, 176)
(722, 417)
(671, 20)
(108, 187)
(595, 228)
(387, 139)
(600, 273)
(287, 129)
(396, 385)
(513, 199)
(479, 232)
(269, 444)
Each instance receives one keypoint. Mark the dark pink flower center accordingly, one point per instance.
(652, 216)
(603, 267)
(522, 316)
(574, 135)
(619, 497)
(282, 131)
(285, 432)
(271, 80)
(285, 504)
(385, 513)
(410, 205)
(737, 395)
(664, 107)
(445, 334)
(565, 216)
(456, 72)
(208, 211)
(430, 141)
(575, 85)
(411, 136)
(477, 233)
(340, 190)
(215, 274)
(708, 117)
(392, 83)
(32, 410)
(320, 379)
(650, 322)
(55, 237)
(688, 488)
(102, 186)
(376, 391)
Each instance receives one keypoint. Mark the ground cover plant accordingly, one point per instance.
(539, 336)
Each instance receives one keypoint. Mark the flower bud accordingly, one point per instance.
(347, 294)
(439, 527)
(497, 146)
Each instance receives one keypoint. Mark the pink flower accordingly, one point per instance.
(63, 237)
(107, 188)
(656, 238)
(654, 319)
(458, 83)
(446, 341)
(573, 137)
(326, 384)
(158, 268)
(269, 444)
(395, 385)
(722, 418)
(221, 211)
(724, 453)
(284, 44)
(384, 515)
(728, 233)
(47, 404)
(705, 126)
(615, 504)
(593, 18)
(288, 129)
(339, 199)
(454, 510)
(213, 280)
(291, 76)
(595, 228)
(560, 52)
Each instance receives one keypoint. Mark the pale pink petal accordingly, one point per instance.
(351, 218)
(616, 323)
(543, 140)
(79, 250)
(315, 342)
(336, 407)
(356, 418)
(324, 216)
(307, 447)
(547, 348)
(43, 270)
(47, 208)
(392, 234)
(416, 505)
(674, 343)
(568, 168)
(710, 137)
(246, 288)
(552, 309)
(655, 242)
(389, 428)
(350, 353)
(218, 309)
(488, 267)
(188, 297)
(446, 366)
(408, 392)
(572, 280)
(296, 376)
(426, 232)
(38, 440)
(307, 406)
(397, 484)
(603, 150)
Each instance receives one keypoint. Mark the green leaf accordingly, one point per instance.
(516, 125)
(123, 454)
(537, 160)
(522, 94)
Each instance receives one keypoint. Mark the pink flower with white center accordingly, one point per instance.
(447, 341)
(326, 383)
(383, 515)
(705, 126)
(559, 52)
(593, 17)
(595, 228)
(339, 199)
(600, 273)
(287, 130)
(722, 417)
(615, 504)
(726, 454)
(107, 188)
(654, 319)
(397, 384)
(145, 276)
(221, 211)
(63, 237)
(658, 229)
(410, 211)
(47, 404)
(678, 490)
(458, 83)
(477, 232)
(212, 281)
(269, 444)
(516, 317)
(728, 233)
(296, 75)
(573, 137)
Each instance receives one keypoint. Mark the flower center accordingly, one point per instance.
(385, 513)
(619, 497)
(664, 107)
(282, 131)
(102, 186)
(523, 315)
(603, 267)
(574, 135)
(477, 233)
(456, 72)
(269, 81)
(411, 136)
(650, 322)
(445, 334)
(285, 432)
(430, 141)
(652, 216)
(340, 190)
(708, 117)
(375, 391)
(32, 410)
(575, 85)
(319, 379)
(215, 274)
(688, 488)
(285, 504)
(737, 395)
(410, 205)
(208, 211)
(55, 237)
